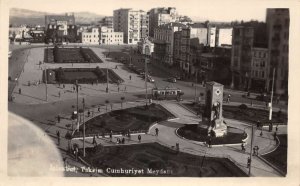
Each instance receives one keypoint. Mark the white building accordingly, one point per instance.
(224, 37)
(133, 23)
(109, 37)
(142, 45)
(90, 37)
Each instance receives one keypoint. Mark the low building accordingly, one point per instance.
(109, 37)
(142, 45)
(90, 37)
(38, 36)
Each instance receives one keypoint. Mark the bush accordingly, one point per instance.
(243, 107)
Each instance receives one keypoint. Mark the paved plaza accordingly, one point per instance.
(35, 93)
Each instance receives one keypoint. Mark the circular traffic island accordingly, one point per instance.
(199, 134)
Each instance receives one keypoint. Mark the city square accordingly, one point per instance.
(179, 99)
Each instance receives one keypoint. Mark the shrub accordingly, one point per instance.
(243, 107)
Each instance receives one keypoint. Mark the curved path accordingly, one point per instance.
(168, 137)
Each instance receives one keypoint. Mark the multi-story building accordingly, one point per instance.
(241, 58)
(133, 23)
(90, 37)
(164, 42)
(161, 16)
(107, 21)
(278, 43)
(144, 25)
(60, 28)
(109, 37)
(259, 69)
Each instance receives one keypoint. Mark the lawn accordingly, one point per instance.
(171, 163)
(279, 156)
(83, 75)
(134, 119)
(70, 55)
(249, 114)
(193, 132)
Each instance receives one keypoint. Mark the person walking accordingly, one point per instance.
(129, 77)
(123, 140)
(58, 137)
(94, 141)
(20, 91)
(139, 138)
(243, 147)
(248, 162)
(156, 131)
(58, 118)
(59, 94)
(98, 109)
(110, 136)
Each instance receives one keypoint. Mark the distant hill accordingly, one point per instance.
(30, 17)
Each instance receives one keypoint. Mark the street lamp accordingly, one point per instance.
(272, 94)
(146, 56)
(83, 105)
(76, 84)
(46, 87)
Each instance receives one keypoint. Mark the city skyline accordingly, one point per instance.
(196, 10)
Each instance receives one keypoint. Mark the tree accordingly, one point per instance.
(122, 99)
(106, 104)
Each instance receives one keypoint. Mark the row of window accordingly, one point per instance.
(258, 74)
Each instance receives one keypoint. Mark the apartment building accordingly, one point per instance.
(161, 16)
(107, 21)
(223, 36)
(278, 21)
(133, 23)
(241, 58)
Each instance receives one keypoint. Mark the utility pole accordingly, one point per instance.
(107, 80)
(76, 84)
(146, 78)
(83, 104)
(46, 83)
(252, 138)
(272, 94)
(196, 86)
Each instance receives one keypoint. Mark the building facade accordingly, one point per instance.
(60, 28)
(161, 16)
(164, 42)
(259, 69)
(146, 43)
(90, 37)
(241, 58)
(133, 23)
(109, 37)
(107, 21)
(223, 37)
(278, 42)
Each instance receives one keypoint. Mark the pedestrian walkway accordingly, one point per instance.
(35, 91)
(167, 136)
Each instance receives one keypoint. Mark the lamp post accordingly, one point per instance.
(76, 84)
(252, 136)
(147, 51)
(83, 105)
(196, 86)
(46, 87)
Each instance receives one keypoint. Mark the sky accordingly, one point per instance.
(213, 10)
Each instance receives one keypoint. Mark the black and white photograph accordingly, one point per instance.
(136, 88)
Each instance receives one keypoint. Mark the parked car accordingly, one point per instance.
(172, 80)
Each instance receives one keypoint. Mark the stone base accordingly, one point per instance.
(220, 131)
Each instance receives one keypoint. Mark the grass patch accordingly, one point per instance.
(157, 157)
(134, 119)
(279, 156)
(70, 55)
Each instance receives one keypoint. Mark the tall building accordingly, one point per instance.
(259, 69)
(60, 28)
(133, 23)
(278, 21)
(160, 16)
(164, 42)
(241, 58)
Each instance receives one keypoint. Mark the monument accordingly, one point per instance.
(213, 109)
